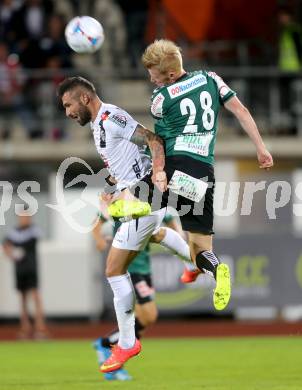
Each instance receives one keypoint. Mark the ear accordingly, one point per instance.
(85, 99)
(172, 76)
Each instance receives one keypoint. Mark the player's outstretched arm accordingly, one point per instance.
(248, 124)
(143, 136)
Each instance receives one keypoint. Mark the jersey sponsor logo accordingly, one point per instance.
(119, 120)
(136, 169)
(187, 186)
(183, 87)
(102, 136)
(157, 105)
(197, 143)
(104, 117)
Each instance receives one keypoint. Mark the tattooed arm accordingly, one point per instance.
(143, 136)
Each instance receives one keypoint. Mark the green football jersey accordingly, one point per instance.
(186, 114)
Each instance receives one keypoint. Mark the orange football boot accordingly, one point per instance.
(119, 356)
(190, 276)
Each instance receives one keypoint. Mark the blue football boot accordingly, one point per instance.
(103, 354)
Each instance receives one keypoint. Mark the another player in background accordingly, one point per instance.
(140, 271)
(185, 106)
(20, 245)
(121, 141)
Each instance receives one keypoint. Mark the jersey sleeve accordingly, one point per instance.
(157, 104)
(120, 124)
(225, 92)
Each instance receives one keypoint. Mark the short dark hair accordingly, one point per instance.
(74, 82)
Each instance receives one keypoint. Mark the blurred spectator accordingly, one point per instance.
(290, 42)
(30, 19)
(135, 17)
(8, 8)
(56, 56)
(47, 103)
(12, 102)
(28, 27)
(20, 246)
(81, 7)
(289, 61)
(53, 44)
(63, 7)
(41, 43)
(113, 51)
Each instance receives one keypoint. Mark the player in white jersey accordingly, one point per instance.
(120, 140)
(112, 131)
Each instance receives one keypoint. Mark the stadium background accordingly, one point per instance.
(240, 42)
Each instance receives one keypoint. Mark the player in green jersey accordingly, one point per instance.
(140, 272)
(185, 106)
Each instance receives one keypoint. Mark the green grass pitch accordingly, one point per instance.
(222, 363)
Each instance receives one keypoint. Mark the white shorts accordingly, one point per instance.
(135, 234)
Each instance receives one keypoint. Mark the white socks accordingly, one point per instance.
(191, 266)
(124, 299)
(176, 244)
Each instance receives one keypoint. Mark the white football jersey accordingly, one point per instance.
(125, 161)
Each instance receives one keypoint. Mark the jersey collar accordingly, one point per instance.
(181, 77)
(98, 117)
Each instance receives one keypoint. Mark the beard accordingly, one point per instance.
(84, 115)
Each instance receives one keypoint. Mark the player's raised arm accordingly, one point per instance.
(143, 136)
(248, 124)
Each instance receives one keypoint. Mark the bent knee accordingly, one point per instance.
(158, 236)
(113, 270)
(153, 318)
(150, 317)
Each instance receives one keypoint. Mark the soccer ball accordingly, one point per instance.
(84, 34)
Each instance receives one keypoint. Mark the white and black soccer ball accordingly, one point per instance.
(84, 34)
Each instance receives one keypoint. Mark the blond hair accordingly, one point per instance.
(163, 54)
